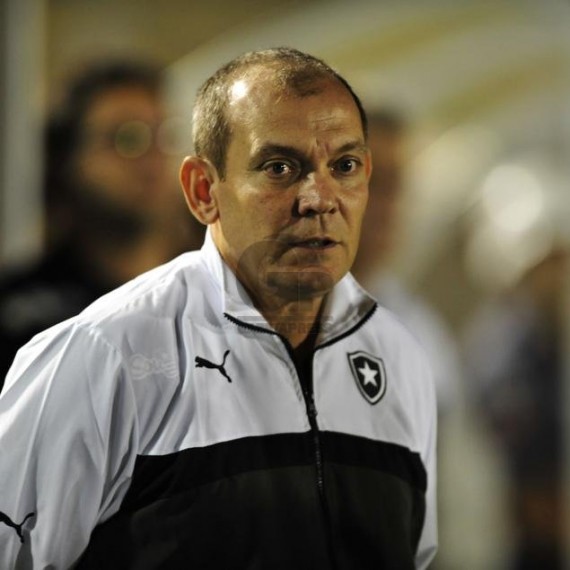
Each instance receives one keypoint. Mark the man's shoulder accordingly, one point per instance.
(401, 346)
(391, 327)
(143, 312)
(161, 293)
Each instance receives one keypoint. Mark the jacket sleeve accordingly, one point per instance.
(426, 413)
(61, 471)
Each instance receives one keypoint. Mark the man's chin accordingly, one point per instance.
(300, 285)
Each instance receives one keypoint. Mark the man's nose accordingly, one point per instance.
(317, 194)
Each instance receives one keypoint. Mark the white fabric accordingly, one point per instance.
(86, 396)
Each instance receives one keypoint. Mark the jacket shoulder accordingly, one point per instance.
(161, 293)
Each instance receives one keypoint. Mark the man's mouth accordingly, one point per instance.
(315, 243)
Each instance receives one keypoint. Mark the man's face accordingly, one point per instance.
(295, 190)
(119, 169)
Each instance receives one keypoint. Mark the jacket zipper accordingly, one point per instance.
(311, 408)
(307, 390)
(308, 396)
(312, 414)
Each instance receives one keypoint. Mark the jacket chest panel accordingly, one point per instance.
(360, 390)
(232, 385)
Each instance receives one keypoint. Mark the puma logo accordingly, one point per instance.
(17, 527)
(203, 363)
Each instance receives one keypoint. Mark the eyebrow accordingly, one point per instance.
(356, 145)
(271, 150)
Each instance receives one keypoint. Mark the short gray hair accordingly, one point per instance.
(293, 70)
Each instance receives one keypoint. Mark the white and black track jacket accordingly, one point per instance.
(167, 427)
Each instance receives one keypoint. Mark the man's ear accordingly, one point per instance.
(197, 177)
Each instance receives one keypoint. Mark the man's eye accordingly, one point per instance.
(278, 169)
(346, 165)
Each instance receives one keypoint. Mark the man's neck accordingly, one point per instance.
(297, 321)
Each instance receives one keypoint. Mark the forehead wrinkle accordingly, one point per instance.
(285, 133)
(334, 148)
(356, 145)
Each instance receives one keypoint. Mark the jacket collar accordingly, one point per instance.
(346, 306)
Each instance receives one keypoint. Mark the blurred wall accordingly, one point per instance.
(21, 91)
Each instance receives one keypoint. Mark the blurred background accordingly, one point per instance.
(469, 221)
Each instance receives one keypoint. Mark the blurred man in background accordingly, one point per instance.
(113, 207)
(516, 373)
(387, 139)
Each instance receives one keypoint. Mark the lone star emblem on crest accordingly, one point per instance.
(370, 375)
